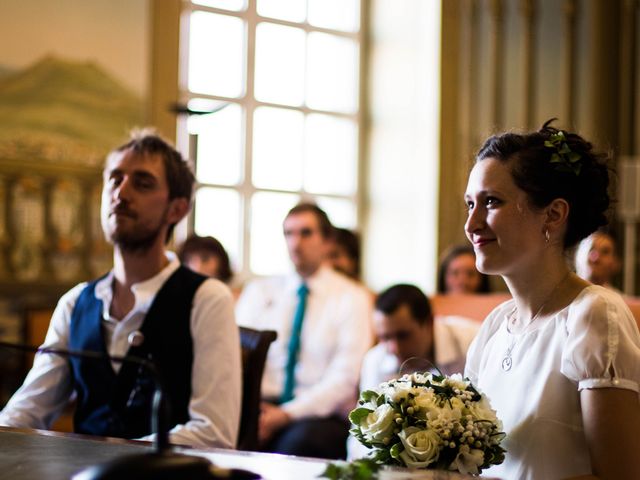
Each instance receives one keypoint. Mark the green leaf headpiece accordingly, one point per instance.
(565, 159)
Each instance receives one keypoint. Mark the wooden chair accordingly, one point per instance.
(475, 307)
(254, 344)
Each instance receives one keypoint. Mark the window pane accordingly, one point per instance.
(330, 155)
(341, 212)
(336, 14)
(332, 73)
(218, 213)
(277, 148)
(280, 53)
(268, 249)
(216, 54)
(291, 10)
(235, 5)
(219, 155)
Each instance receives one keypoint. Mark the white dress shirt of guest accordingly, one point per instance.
(336, 330)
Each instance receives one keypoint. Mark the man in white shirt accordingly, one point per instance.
(410, 339)
(148, 306)
(308, 388)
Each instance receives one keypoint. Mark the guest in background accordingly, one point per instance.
(457, 272)
(407, 332)
(409, 340)
(344, 253)
(207, 256)
(597, 260)
(560, 362)
(323, 323)
(148, 306)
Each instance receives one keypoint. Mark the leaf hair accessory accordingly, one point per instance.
(566, 159)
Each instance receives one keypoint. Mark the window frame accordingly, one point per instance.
(249, 104)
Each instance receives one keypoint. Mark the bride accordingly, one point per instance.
(561, 361)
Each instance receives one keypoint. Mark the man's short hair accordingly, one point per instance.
(394, 297)
(180, 177)
(178, 171)
(326, 228)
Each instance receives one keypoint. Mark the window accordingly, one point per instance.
(283, 78)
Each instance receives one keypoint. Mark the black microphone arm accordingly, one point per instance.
(162, 464)
(158, 420)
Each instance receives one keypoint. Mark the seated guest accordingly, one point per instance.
(148, 306)
(344, 253)
(457, 272)
(407, 332)
(597, 260)
(410, 340)
(207, 256)
(323, 324)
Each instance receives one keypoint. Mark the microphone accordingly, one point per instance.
(160, 464)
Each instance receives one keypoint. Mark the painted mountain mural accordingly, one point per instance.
(64, 112)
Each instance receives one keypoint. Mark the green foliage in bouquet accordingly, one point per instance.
(362, 469)
(429, 421)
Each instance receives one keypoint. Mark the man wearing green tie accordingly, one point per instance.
(323, 320)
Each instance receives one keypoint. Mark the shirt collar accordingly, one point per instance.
(315, 282)
(144, 292)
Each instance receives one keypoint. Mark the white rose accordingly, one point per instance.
(482, 410)
(456, 381)
(426, 402)
(468, 460)
(421, 447)
(445, 414)
(379, 423)
(398, 392)
(421, 377)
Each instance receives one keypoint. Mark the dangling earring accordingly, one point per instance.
(546, 235)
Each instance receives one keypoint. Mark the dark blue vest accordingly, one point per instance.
(119, 405)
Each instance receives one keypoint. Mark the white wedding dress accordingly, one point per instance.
(592, 343)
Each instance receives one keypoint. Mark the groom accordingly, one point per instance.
(148, 306)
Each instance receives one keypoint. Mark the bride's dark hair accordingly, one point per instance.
(552, 163)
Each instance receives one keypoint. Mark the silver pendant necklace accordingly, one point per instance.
(507, 360)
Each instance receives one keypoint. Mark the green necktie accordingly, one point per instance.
(294, 345)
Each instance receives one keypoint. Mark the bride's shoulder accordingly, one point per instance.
(497, 316)
(598, 298)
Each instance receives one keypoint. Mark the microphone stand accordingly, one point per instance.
(162, 463)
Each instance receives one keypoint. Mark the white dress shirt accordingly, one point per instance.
(214, 407)
(336, 333)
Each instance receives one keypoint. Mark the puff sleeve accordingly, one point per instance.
(603, 344)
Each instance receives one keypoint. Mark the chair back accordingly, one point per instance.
(254, 345)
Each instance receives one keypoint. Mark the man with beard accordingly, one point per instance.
(148, 306)
(323, 320)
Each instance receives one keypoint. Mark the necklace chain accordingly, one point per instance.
(507, 361)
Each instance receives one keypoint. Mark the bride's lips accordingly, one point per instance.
(481, 242)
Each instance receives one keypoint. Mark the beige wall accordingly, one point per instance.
(512, 64)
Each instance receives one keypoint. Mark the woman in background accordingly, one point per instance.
(560, 362)
(207, 256)
(457, 272)
(344, 254)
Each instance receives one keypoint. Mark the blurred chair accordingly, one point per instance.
(473, 306)
(254, 344)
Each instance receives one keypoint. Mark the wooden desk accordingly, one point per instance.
(33, 454)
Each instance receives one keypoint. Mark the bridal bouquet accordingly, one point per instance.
(423, 420)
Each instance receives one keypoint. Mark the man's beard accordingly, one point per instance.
(136, 241)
